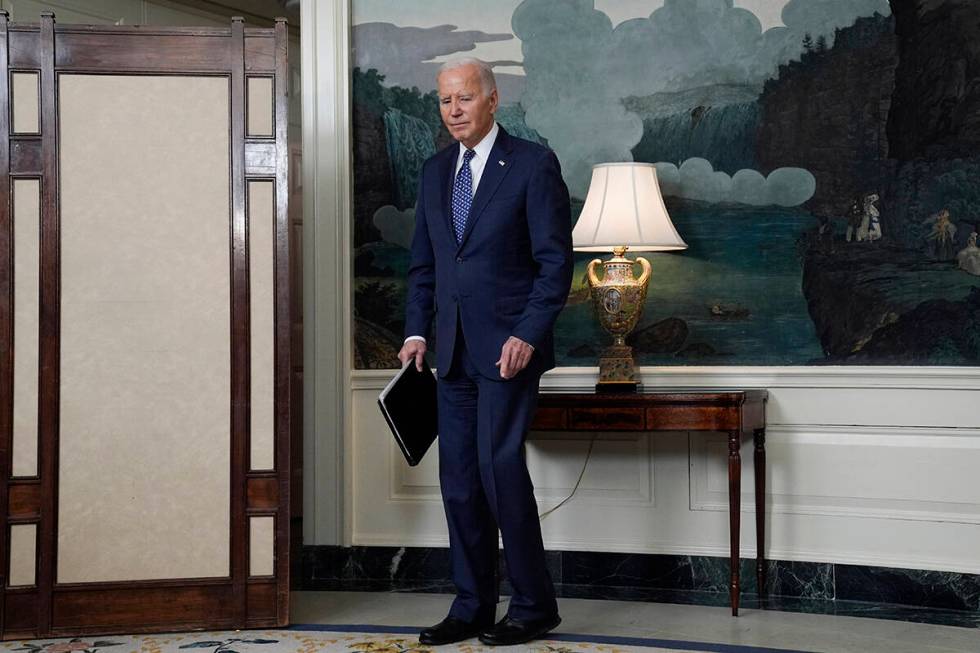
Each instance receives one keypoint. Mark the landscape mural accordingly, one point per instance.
(819, 157)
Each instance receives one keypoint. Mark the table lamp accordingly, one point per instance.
(623, 210)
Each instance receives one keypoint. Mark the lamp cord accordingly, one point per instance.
(588, 455)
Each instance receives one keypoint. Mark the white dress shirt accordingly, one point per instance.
(477, 164)
(479, 160)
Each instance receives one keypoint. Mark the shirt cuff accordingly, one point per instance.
(414, 338)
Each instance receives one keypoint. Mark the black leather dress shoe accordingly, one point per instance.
(449, 630)
(509, 632)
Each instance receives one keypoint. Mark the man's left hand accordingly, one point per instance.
(514, 357)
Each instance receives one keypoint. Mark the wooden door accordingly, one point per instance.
(144, 328)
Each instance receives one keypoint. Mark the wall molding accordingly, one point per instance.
(327, 423)
(708, 491)
(837, 376)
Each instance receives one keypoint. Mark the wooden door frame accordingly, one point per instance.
(50, 608)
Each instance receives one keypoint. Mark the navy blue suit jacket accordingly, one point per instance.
(511, 273)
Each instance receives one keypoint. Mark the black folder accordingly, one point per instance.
(409, 406)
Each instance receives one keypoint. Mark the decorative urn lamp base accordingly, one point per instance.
(618, 302)
(616, 370)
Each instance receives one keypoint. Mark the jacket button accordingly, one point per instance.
(459, 259)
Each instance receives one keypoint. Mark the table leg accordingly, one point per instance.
(760, 510)
(734, 510)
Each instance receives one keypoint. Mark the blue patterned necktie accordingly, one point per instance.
(463, 195)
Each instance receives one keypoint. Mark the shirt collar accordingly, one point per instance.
(483, 148)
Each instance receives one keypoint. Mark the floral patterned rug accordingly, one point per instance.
(353, 639)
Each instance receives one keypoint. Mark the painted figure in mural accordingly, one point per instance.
(870, 228)
(942, 237)
(825, 234)
(493, 250)
(854, 217)
(969, 257)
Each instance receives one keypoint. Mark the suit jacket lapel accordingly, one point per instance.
(447, 174)
(496, 168)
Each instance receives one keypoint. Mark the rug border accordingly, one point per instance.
(672, 644)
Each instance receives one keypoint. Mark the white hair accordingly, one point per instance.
(487, 81)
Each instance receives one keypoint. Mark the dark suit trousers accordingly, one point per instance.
(485, 484)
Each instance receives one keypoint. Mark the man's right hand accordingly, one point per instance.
(412, 349)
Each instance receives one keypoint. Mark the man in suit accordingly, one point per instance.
(492, 262)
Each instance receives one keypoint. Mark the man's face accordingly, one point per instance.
(466, 110)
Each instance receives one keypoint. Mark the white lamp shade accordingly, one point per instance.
(624, 208)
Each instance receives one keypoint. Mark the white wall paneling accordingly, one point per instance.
(875, 493)
(867, 472)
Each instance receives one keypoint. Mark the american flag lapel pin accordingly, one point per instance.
(501, 162)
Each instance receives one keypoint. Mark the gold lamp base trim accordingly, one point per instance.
(617, 372)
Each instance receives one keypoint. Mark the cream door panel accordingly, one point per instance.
(23, 555)
(259, 115)
(145, 353)
(25, 102)
(261, 282)
(261, 546)
(27, 217)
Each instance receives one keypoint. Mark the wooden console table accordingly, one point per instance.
(737, 413)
